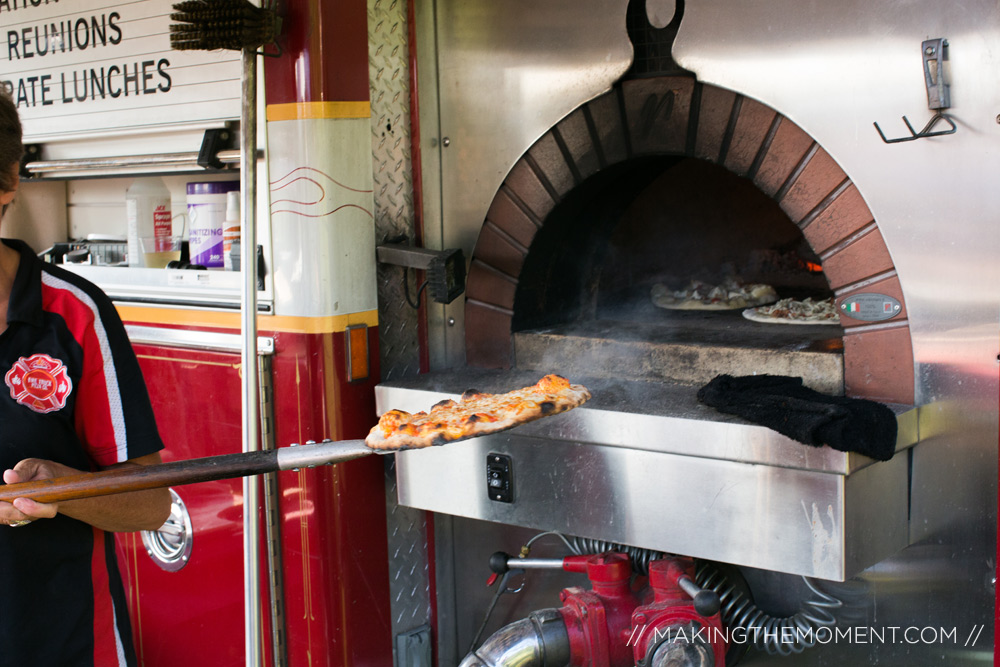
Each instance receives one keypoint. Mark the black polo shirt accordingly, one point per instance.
(74, 394)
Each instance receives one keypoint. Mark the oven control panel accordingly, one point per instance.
(500, 477)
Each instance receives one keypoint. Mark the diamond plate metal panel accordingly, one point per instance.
(388, 66)
(388, 60)
(409, 568)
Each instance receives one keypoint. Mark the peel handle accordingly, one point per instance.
(178, 473)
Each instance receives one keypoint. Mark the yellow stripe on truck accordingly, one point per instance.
(305, 110)
(231, 320)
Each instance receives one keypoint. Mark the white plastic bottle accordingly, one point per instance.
(147, 208)
(230, 228)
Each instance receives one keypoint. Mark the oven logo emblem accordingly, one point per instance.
(39, 382)
(871, 307)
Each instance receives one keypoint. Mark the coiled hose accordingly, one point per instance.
(776, 635)
(640, 557)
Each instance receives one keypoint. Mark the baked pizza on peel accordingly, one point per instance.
(475, 414)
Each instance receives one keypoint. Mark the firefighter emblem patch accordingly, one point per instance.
(39, 382)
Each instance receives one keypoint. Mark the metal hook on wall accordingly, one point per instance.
(924, 133)
(935, 53)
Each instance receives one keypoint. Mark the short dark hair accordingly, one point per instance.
(11, 147)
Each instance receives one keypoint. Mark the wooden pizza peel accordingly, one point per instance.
(225, 466)
(179, 473)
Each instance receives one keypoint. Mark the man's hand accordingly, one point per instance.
(136, 510)
(25, 510)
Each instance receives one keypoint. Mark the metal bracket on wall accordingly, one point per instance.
(445, 268)
(213, 141)
(32, 152)
(935, 53)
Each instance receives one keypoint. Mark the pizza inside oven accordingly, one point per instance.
(730, 294)
(795, 311)
(757, 301)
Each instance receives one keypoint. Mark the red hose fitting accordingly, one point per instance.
(669, 615)
(596, 620)
(609, 627)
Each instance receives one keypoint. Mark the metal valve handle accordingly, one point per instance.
(501, 561)
(706, 602)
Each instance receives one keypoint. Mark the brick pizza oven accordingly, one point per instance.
(582, 153)
(694, 129)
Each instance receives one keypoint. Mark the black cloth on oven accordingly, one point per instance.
(782, 403)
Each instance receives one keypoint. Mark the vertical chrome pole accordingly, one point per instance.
(248, 324)
(272, 522)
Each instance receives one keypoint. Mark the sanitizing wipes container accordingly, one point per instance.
(206, 204)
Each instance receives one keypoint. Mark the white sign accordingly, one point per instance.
(79, 67)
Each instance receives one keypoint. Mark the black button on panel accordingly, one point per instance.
(500, 477)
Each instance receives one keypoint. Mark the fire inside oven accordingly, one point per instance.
(686, 225)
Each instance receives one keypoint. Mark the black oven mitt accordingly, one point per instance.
(782, 403)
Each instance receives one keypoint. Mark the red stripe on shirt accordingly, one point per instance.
(105, 644)
(92, 417)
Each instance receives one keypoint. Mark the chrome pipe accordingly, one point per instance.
(322, 453)
(272, 512)
(253, 622)
(540, 640)
(535, 563)
(194, 340)
(121, 162)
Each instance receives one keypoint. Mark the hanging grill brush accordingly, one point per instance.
(210, 25)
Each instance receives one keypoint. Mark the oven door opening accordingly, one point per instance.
(584, 299)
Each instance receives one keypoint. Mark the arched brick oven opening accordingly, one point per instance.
(675, 129)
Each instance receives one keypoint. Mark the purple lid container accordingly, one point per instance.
(212, 188)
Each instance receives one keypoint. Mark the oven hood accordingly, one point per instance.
(645, 464)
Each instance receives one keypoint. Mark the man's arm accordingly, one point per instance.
(122, 512)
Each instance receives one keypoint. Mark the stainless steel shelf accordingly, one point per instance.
(129, 164)
(182, 287)
(645, 464)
